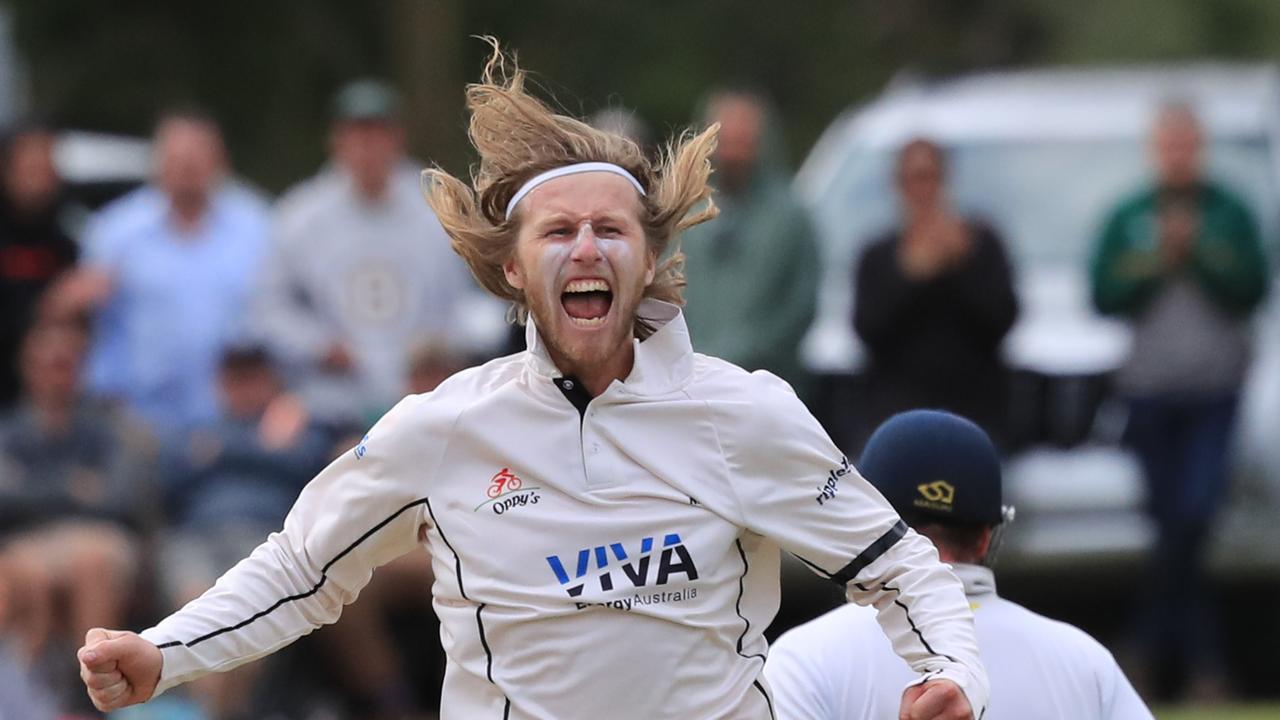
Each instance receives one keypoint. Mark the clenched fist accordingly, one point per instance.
(935, 700)
(119, 668)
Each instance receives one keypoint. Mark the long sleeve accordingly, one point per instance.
(1229, 260)
(106, 245)
(361, 512)
(984, 286)
(884, 296)
(923, 611)
(795, 487)
(1124, 271)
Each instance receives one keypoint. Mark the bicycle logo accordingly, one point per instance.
(503, 481)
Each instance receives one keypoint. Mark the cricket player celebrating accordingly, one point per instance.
(603, 510)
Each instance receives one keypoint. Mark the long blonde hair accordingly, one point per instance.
(519, 136)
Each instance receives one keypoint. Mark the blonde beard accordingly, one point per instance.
(596, 354)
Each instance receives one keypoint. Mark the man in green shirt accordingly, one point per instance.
(753, 271)
(1182, 261)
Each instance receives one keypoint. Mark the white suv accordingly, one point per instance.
(1044, 155)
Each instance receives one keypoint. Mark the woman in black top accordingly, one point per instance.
(934, 301)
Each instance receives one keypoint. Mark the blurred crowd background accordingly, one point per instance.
(1059, 220)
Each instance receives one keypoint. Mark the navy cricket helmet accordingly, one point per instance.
(935, 465)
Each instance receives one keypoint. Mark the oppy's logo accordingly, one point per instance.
(828, 489)
(507, 491)
(633, 567)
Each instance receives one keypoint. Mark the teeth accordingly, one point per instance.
(591, 285)
(587, 322)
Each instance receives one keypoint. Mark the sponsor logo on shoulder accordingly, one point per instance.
(831, 486)
(362, 448)
(506, 492)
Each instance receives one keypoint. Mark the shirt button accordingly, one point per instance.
(595, 449)
(567, 384)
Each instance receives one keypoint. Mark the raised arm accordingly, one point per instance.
(797, 488)
(363, 511)
(923, 611)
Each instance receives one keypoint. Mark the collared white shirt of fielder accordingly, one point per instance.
(840, 666)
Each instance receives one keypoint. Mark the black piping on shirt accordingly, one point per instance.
(737, 605)
(484, 642)
(324, 577)
(767, 701)
(898, 601)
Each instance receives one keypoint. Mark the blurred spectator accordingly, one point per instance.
(753, 271)
(170, 267)
(624, 122)
(73, 498)
(934, 301)
(229, 485)
(21, 694)
(233, 480)
(361, 268)
(431, 363)
(35, 239)
(1182, 262)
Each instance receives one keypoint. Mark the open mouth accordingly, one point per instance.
(587, 302)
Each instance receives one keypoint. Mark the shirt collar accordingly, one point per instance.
(977, 579)
(663, 361)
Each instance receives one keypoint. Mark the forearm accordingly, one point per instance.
(924, 613)
(1124, 279)
(1236, 276)
(984, 288)
(262, 604)
(358, 514)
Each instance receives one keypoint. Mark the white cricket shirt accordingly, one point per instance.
(609, 557)
(839, 666)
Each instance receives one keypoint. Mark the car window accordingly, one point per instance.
(1047, 198)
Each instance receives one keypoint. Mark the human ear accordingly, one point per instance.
(650, 268)
(511, 270)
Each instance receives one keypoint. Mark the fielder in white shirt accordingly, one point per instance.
(943, 474)
(604, 511)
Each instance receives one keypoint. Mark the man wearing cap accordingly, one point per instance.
(942, 473)
(361, 270)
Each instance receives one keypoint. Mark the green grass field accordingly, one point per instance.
(1225, 712)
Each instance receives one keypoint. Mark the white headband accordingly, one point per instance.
(574, 169)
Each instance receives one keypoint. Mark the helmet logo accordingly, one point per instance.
(937, 495)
